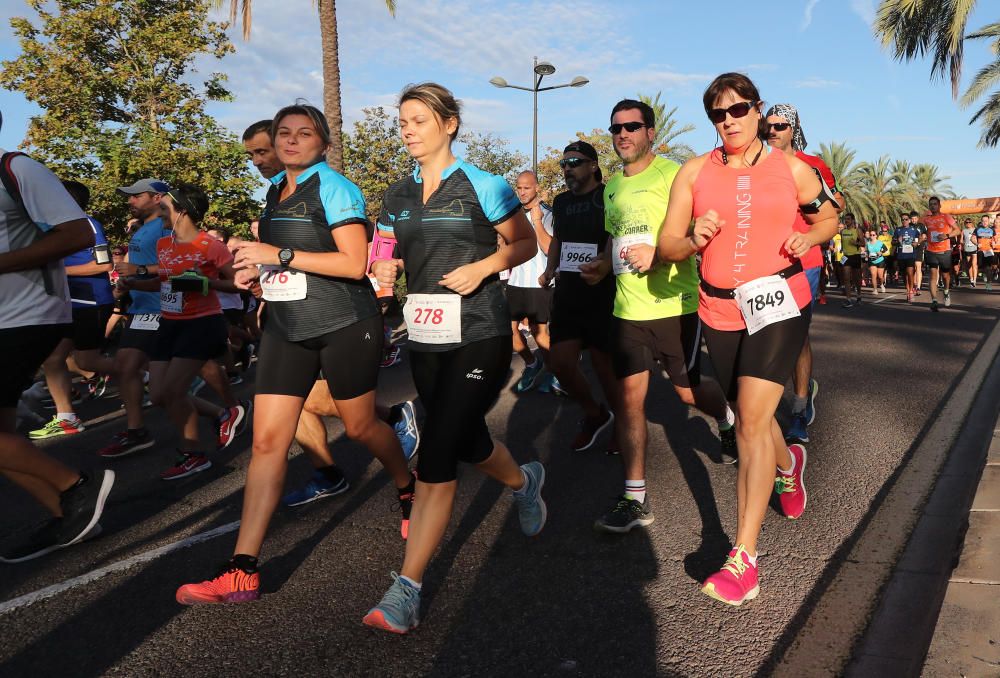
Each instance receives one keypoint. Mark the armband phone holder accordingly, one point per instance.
(189, 281)
(102, 254)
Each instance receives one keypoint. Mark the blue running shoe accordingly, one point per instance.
(317, 488)
(399, 611)
(549, 384)
(797, 429)
(406, 429)
(196, 385)
(811, 403)
(531, 509)
(528, 378)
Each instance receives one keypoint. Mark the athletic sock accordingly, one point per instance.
(409, 582)
(246, 563)
(331, 473)
(524, 488)
(728, 421)
(66, 416)
(137, 432)
(799, 404)
(789, 471)
(752, 559)
(636, 489)
(409, 489)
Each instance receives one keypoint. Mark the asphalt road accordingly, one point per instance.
(569, 602)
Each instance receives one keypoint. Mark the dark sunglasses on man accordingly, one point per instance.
(573, 162)
(617, 127)
(738, 110)
(778, 126)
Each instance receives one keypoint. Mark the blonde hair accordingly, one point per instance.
(437, 98)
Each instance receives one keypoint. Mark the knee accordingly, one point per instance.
(753, 425)
(361, 429)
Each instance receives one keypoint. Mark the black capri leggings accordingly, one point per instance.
(458, 387)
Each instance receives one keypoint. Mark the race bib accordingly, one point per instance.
(906, 249)
(146, 321)
(843, 260)
(505, 274)
(374, 281)
(937, 236)
(282, 284)
(170, 301)
(619, 260)
(572, 254)
(766, 301)
(434, 318)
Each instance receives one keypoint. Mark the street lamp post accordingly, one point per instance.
(540, 70)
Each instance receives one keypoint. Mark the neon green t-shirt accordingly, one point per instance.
(634, 208)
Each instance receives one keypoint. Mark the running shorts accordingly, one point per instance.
(349, 358)
(533, 303)
(942, 260)
(813, 275)
(234, 316)
(985, 261)
(591, 325)
(458, 388)
(89, 324)
(26, 349)
(769, 354)
(880, 264)
(140, 331)
(203, 338)
(905, 263)
(853, 260)
(674, 342)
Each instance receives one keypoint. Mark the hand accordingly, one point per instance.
(536, 215)
(705, 228)
(385, 271)
(594, 271)
(246, 278)
(797, 245)
(123, 268)
(641, 257)
(545, 278)
(465, 279)
(256, 290)
(124, 283)
(256, 253)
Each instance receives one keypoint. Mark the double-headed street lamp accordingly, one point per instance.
(541, 69)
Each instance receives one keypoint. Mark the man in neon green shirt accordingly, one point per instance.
(656, 306)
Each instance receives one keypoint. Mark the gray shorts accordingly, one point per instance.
(940, 260)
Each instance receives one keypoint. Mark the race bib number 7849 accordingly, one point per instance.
(766, 301)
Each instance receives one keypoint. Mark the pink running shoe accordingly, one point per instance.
(736, 582)
(791, 488)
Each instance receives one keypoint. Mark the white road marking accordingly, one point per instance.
(891, 296)
(56, 589)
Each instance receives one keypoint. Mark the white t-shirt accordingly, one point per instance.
(38, 296)
(527, 274)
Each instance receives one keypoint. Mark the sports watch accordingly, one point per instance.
(285, 256)
(141, 270)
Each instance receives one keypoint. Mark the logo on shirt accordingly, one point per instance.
(298, 210)
(405, 214)
(475, 374)
(453, 209)
(611, 197)
(744, 221)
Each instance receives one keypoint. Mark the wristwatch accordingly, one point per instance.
(141, 270)
(285, 256)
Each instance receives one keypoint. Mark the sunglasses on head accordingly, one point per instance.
(616, 128)
(572, 162)
(779, 126)
(717, 115)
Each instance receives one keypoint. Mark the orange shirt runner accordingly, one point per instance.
(939, 228)
(204, 254)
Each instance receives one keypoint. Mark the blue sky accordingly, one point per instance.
(817, 54)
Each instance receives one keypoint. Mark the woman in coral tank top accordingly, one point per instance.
(754, 298)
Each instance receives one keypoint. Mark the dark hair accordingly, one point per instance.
(933, 197)
(256, 128)
(223, 231)
(744, 87)
(648, 115)
(848, 214)
(311, 112)
(79, 192)
(190, 199)
(437, 98)
(914, 214)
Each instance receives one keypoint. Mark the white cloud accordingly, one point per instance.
(815, 82)
(807, 16)
(864, 9)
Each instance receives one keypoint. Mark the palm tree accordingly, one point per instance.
(884, 191)
(840, 159)
(987, 77)
(331, 65)
(667, 130)
(927, 181)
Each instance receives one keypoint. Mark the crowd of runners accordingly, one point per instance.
(734, 247)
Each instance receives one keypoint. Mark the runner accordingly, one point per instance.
(39, 225)
(92, 302)
(581, 314)
(655, 309)
(885, 236)
(996, 248)
(852, 241)
(986, 257)
(459, 327)
(756, 307)
(907, 236)
(876, 251)
(919, 251)
(970, 250)
(940, 229)
(321, 313)
(527, 298)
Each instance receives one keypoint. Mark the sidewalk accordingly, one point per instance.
(967, 636)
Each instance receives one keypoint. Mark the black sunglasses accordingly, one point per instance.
(717, 115)
(572, 162)
(617, 127)
(779, 126)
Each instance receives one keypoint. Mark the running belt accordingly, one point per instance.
(724, 293)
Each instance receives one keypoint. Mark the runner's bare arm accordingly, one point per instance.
(678, 240)
(64, 239)
(595, 271)
(521, 246)
(552, 262)
(226, 281)
(823, 222)
(349, 261)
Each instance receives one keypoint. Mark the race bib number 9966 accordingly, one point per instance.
(572, 254)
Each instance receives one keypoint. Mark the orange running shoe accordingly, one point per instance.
(233, 585)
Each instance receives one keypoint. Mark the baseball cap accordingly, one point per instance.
(583, 148)
(145, 186)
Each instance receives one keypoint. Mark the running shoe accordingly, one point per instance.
(591, 428)
(531, 509)
(58, 427)
(972, 284)
(847, 304)
(626, 514)
(791, 487)
(319, 486)
(235, 379)
(797, 430)
(228, 425)
(736, 582)
(83, 504)
(127, 442)
(727, 439)
(391, 357)
(406, 506)
(947, 299)
(810, 411)
(934, 305)
(883, 288)
(188, 463)
(909, 297)
(549, 384)
(98, 386)
(46, 540)
(231, 585)
(406, 429)
(399, 610)
(528, 377)
(247, 418)
(196, 385)
(989, 286)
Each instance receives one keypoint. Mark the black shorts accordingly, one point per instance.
(202, 338)
(26, 349)
(968, 256)
(139, 332)
(673, 342)
(533, 303)
(589, 322)
(458, 388)
(986, 261)
(880, 264)
(942, 260)
(89, 323)
(919, 251)
(234, 316)
(769, 354)
(853, 260)
(349, 358)
(905, 263)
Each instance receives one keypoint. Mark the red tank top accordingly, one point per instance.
(759, 206)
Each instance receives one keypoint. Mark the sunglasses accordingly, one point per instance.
(617, 127)
(573, 162)
(779, 126)
(717, 115)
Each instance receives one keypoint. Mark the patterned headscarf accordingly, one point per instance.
(788, 112)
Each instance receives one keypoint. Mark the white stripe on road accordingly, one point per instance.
(56, 589)
(891, 296)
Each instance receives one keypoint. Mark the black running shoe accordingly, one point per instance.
(730, 454)
(626, 514)
(83, 504)
(51, 537)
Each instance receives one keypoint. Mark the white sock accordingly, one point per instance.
(636, 489)
(791, 470)
(524, 488)
(66, 416)
(752, 559)
(415, 584)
